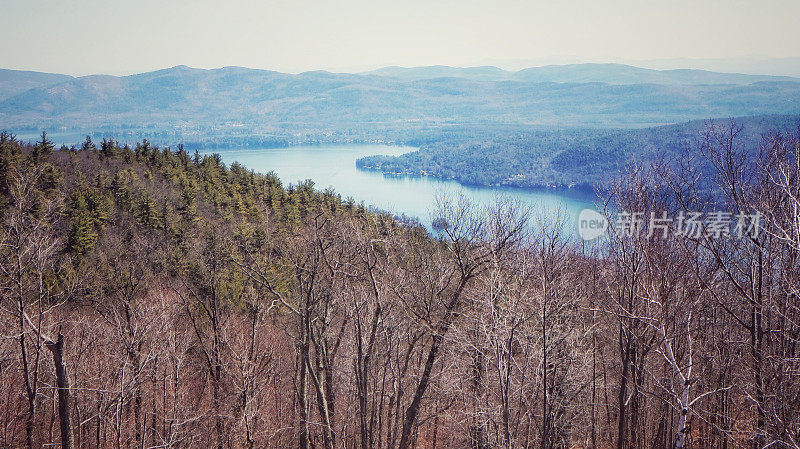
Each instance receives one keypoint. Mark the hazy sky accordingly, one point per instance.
(121, 37)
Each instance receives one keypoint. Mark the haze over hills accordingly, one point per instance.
(787, 66)
(319, 103)
(579, 73)
(13, 82)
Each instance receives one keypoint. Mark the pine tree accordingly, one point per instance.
(88, 144)
(108, 149)
(82, 235)
(88, 210)
(42, 149)
(148, 213)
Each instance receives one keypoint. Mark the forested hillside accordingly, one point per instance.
(152, 297)
(587, 158)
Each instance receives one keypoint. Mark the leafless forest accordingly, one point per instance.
(157, 299)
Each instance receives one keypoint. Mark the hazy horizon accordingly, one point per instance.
(94, 37)
(754, 65)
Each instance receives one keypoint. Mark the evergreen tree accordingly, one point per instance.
(108, 149)
(42, 149)
(82, 235)
(88, 144)
(89, 208)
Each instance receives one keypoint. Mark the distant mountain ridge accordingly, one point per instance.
(321, 102)
(579, 73)
(13, 82)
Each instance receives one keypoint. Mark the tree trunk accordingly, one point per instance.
(621, 428)
(680, 437)
(302, 395)
(30, 390)
(62, 382)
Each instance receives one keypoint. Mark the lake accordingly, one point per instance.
(334, 166)
(330, 165)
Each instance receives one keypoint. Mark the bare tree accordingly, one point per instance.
(30, 257)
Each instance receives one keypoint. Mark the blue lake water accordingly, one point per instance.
(334, 166)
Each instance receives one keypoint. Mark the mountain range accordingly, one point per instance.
(579, 73)
(387, 101)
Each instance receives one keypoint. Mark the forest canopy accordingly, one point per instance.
(155, 297)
